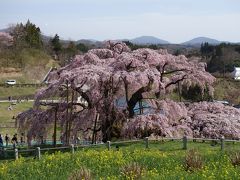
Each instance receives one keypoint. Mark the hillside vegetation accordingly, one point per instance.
(227, 89)
(29, 65)
(23, 55)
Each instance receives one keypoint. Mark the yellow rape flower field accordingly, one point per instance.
(162, 160)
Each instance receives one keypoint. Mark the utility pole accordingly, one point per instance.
(140, 107)
(179, 92)
(66, 130)
(70, 117)
(55, 127)
(94, 129)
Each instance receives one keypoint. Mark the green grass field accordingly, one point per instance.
(5, 92)
(163, 160)
(6, 116)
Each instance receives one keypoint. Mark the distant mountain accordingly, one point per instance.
(6, 30)
(142, 40)
(46, 38)
(86, 41)
(200, 40)
(148, 40)
(91, 43)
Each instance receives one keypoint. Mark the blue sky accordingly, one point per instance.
(172, 20)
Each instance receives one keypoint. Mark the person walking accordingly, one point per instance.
(22, 141)
(14, 141)
(10, 108)
(62, 138)
(1, 141)
(7, 140)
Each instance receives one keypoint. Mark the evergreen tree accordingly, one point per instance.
(206, 49)
(27, 36)
(82, 47)
(57, 46)
(33, 35)
(71, 48)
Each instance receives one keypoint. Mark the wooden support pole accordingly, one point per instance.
(16, 153)
(70, 116)
(140, 107)
(55, 128)
(38, 153)
(109, 145)
(94, 129)
(72, 148)
(66, 128)
(179, 92)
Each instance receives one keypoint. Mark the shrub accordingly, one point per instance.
(193, 160)
(235, 158)
(132, 171)
(81, 174)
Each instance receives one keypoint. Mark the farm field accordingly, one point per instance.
(163, 160)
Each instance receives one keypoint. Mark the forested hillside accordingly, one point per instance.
(221, 58)
(26, 54)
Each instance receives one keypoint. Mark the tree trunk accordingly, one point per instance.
(55, 128)
(106, 131)
(136, 97)
(94, 130)
(66, 127)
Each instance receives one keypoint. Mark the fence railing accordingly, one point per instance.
(23, 85)
(38, 151)
(8, 125)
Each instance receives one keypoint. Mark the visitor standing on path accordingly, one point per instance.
(7, 140)
(22, 139)
(14, 140)
(1, 141)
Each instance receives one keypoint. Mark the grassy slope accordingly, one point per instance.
(31, 65)
(164, 160)
(224, 89)
(227, 89)
(35, 65)
(6, 115)
(16, 91)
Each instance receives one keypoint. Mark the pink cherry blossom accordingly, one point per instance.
(103, 76)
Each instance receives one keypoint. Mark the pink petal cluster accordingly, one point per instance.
(198, 120)
(6, 39)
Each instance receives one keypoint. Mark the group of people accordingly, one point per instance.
(73, 139)
(18, 100)
(14, 140)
